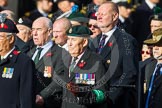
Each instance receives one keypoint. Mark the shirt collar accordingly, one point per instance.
(43, 13)
(109, 33)
(47, 44)
(151, 5)
(65, 46)
(121, 19)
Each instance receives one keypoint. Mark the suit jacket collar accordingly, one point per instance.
(11, 57)
(46, 59)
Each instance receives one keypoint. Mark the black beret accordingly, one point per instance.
(7, 25)
(25, 21)
(156, 17)
(125, 4)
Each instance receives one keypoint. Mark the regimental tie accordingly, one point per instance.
(155, 74)
(36, 60)
(101, 44)
(72, 65)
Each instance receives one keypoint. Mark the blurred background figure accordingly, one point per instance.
(3, 4)
(77, 18)
(43, 8)
(93, 6)
(65, 8)
(93, 25)
(125, 21)
(156, 22)
(146, 52)
(60, 27)
(141, 25)
(10, 15)
(24, 26)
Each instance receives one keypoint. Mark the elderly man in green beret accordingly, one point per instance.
(84, 73)
(153, 72)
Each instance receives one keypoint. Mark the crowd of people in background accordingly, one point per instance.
(81, 54)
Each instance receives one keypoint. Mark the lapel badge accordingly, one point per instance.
(47, 71)
(20, 20)
(108, 61)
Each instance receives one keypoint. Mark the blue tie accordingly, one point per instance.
(101, 44)
(155, 74)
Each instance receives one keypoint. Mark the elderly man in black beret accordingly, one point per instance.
(16, 69)
(24, 39)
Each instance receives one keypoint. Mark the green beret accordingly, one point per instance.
(79, 31)
(156, 38)
(77, 16)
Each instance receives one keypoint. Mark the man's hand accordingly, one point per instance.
(39, 100)
(72, 88)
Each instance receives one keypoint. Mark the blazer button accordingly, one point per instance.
(154, 86)
(152, 97)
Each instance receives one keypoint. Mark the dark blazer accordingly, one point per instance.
(18, 91)
(121, 59)
(156, 95)
(28, 46)
(19, 44)
(50, 59)
(141, 25)
(34, 15)
(126, 25)
(142, 79)
(93, 64)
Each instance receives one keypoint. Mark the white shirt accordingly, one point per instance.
(109, 34)
(151, 5)
(45, 47)
(78, 58)
(121, 19)
(65, 46)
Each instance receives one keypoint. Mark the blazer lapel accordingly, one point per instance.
(111, 42)
(76, 69)
(45, 59)
(31, 52)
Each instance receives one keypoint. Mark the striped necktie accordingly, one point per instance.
(101, 44)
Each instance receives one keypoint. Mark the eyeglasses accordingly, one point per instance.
(145, 52)
(94, 26)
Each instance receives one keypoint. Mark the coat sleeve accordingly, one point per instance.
(27, 84)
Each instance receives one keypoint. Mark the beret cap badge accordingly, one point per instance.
(20, 20)
(156, 16)
(70, 30)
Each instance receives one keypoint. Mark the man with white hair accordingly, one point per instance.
(46, 55)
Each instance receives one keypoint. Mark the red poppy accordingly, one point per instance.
(49, 54)
(109, 44)
(15, 52)
(81, 64)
